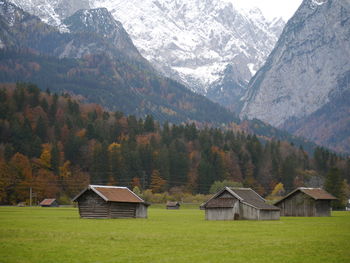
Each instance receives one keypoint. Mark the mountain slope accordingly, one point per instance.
(194, 42)
(328, 126)
(106, 68)
(307, 68)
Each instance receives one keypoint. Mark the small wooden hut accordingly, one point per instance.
(306, 202)
(172, 205)
(239, 203)
(98, 201)
(49, 203)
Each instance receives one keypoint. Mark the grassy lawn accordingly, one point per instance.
(59, 235)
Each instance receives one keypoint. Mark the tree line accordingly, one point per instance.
(56, 145)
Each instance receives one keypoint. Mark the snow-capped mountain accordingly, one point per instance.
(308, 69)
(95, 58)
(194, 41)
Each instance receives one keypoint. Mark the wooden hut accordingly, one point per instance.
(306, 202)
(98, 201)
(49, 203)
(172, 205)
(239, 203)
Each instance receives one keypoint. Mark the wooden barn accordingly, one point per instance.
(49, 203)
(172, 205)
(306, 202)
(239, 203)
(98, 201)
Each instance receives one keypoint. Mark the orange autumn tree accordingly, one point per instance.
(157, 182)
(21, 175)
(45, 185)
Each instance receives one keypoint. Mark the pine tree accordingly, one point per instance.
(41, 129)
(149, 124)
(55, 158)
(334, 185)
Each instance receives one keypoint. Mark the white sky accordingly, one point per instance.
(272, 8)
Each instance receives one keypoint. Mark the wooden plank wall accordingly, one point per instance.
(323, 208)
(141, 211)
(122, 210)
(298, 204)
(248, 212)
(92, 206)
(269, 215)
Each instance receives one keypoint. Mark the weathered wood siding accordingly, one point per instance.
(220, 214)
(269, 215)
(248, 212)
(122, 210)
(301, 204)
(92, 206)
(323, 208)
(141, 211)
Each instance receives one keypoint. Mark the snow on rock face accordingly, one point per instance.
(52, 11)
(304, 69)
(194, 40)
(100, 21)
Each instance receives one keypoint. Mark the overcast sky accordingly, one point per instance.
(272, 8)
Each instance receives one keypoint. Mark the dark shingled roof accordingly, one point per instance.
(47, 201)
(315, 193)
(221, 203)
(171, 204)
(250, 197)
(318, 193)
(245, 195)
(113, 194)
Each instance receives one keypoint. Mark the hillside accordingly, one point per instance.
(56, 141)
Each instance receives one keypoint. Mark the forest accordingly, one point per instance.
(56, 145)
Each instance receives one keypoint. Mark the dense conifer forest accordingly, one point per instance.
(56, 145)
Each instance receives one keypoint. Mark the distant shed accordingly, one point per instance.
(239, 203)
(172, 205)
(306, 202)
(98, 201)
(49, 203)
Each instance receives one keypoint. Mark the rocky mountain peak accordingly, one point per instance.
(100, 22)
(97, 20)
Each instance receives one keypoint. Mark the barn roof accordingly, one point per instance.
(113, 194)
(169, 203)
(246, 195)
(47, 201)
(220, 203)
(252, 198)
(315, 193)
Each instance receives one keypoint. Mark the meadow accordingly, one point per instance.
(35, 234)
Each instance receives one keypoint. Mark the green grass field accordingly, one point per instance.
(59, 235)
